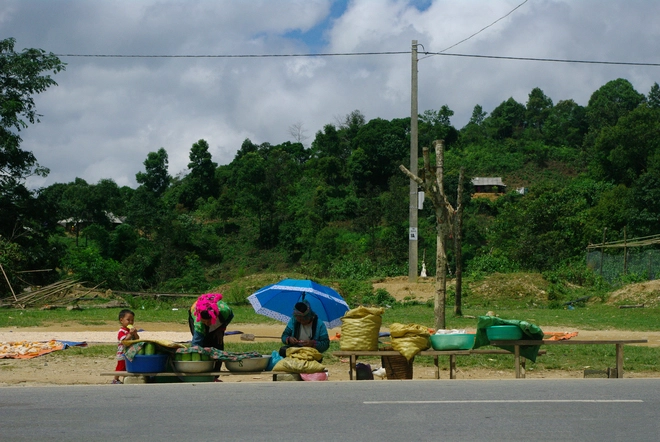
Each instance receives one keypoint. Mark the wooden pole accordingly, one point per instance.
(444, 213)
(625, 252)
(9, 283)
(458, 244)
(602, 252)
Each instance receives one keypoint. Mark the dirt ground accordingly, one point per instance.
(59, 369)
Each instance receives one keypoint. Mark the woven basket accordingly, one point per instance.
(397, 367)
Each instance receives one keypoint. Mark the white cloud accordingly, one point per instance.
(107, 114)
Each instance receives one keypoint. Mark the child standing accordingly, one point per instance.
(127, 331)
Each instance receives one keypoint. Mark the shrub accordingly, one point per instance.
(87, 264)
(487, 264)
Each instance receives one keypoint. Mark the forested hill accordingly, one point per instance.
(340, 206)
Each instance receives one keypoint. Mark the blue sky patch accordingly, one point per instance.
(315, 38)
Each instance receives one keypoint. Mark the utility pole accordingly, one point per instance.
(412, 232)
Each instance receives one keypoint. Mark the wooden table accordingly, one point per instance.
(619, 343)
(171, 374)
(354, 355)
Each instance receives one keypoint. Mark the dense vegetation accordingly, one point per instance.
(339, 208)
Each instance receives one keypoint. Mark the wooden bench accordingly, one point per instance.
(619, 343)
(353, 356)
(179, 375)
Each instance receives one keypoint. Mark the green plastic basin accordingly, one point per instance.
(455, 341)
(504, 333)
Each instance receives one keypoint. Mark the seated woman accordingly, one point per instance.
(305, 330)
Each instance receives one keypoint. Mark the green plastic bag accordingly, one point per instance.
(531, 332)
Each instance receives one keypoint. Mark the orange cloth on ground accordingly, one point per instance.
(27, 349)
(559, 336)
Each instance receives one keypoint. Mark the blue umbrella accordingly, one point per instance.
(277, 301)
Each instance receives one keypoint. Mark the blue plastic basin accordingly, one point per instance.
(147, 364)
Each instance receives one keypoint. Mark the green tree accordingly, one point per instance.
(478, 115)
(546, 226)
(86, 204)
(653, 98)
(537, 111)
(475, 131)
(21, 77)
(609, 103)
(329, 144)
(624, 152)
(155, 178)
(378, 148)
(200, 182)
(23, 222)
(566, 124)
(351, 125)
(436, 125)
(645, 210)
(506, 120)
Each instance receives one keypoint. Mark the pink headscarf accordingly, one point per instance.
(209, 303)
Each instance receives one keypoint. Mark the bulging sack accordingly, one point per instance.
(360, 327)
(409, 339)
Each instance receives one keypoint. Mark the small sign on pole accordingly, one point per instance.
(412, 234)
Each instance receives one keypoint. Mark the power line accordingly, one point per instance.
(337, 54)
(551, 60)
(288, 55)
(484, 28)
(344, 54)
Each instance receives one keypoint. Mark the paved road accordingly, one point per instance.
(529, 410)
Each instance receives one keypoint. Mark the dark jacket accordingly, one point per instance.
(319, 333)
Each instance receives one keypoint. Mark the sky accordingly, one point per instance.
(107, 113)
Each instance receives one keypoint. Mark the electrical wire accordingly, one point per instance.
(551, 60)
(236, 56)
(342, 54)
(483, 29)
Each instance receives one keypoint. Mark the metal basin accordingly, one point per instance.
(193, 366)
(251, 364)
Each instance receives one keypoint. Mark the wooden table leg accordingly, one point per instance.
(351, 366)
(437, 367)
(523, 367)
(452, 366)
(619, 360)
(516, 359)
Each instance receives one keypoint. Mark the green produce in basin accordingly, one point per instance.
(141, 351)
(186, 356)
(196, 357)
(206, 358)
(150, 348)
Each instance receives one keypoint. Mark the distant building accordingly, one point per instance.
(70, 223)
(488, 185)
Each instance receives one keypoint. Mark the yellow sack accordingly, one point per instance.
(359, 329)
(304, 353)
(295, 365)
(409, 339)
(162, 342)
